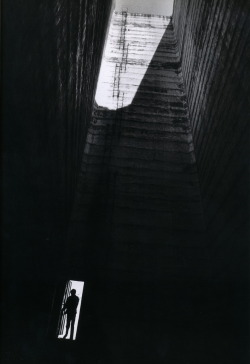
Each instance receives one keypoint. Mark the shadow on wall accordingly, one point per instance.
(139, 185)
(141, 157)
(213, 41)
(47, 103)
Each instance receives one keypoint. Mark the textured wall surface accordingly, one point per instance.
(136, 234)
(169, 154)
(137, 223)
(139, 178)
(213, 42)
(213, 39)
(51, 59)
(50, 76)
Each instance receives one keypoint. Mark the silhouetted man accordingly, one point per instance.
(70, 309)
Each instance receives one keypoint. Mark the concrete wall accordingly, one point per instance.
(139, 181)
(51, 58)
(136, 234)
(213, 39)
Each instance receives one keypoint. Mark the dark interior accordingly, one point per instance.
(147, 204)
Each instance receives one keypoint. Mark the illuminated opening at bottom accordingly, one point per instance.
(70, 310)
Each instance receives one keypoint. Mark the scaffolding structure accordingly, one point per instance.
(121, 65)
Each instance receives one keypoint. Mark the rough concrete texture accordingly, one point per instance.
(213, 40)
(136, 229)
(158, 231)
(51, 59)
(137, 234)
(139, 185)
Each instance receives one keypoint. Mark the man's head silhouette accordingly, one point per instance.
(73, 292)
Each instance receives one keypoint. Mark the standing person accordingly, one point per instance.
(70, 309)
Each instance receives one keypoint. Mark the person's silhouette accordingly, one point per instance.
(69, 308)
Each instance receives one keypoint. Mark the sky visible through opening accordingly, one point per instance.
(156, 7)
(128, 52)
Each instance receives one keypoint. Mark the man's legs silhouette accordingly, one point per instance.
(67, 326)
(70, 323)
(72, 327)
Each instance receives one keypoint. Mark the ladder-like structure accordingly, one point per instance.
(121, 65)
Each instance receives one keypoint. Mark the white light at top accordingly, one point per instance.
(126, 58)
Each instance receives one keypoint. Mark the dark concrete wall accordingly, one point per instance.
(213, 39)
(139, 193)
(148, 296)
(51, 56)
(136, 233)
(213, 44)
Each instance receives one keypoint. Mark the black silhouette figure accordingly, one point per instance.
(70, 309)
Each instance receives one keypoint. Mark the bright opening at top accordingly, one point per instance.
(128, 52)
(156, 7)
